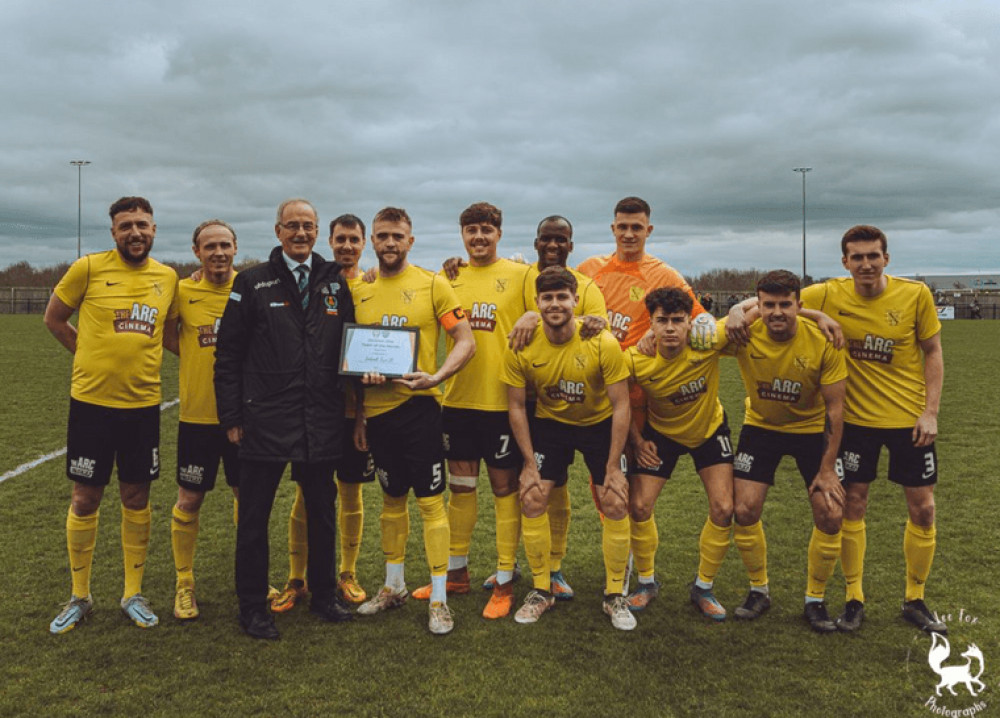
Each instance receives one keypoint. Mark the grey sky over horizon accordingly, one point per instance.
(225, 109)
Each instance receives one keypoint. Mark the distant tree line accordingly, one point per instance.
(22, 274)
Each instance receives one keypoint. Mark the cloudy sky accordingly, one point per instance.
(215, 109)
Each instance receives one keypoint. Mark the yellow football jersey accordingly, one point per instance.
(200, 306)
(414, 298)
(682, 393)
(591, 301)
(782, 379)
(885, 378)
(493, 299)
(570, 379)
(119, 347)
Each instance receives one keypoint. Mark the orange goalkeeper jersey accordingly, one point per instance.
(625, 286)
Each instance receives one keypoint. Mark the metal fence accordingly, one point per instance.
(24, 300)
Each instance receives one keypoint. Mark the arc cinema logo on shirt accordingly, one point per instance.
(571, 392)
(208, 334)
(618, 324)
(688, 392)
(871, 348)
(140, 319)
(778, 389)
(483, 316)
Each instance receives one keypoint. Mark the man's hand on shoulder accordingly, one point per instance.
(592, 325)
(451, 266)
(524, 328)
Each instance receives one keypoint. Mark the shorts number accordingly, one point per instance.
(727, 447)
(438, 476)
(504, 446)
(929, 467)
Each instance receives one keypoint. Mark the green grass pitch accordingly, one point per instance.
(570, 663)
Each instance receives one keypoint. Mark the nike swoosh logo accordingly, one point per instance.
(501, 456)
(655, 378)
(192, 301)
(535, 366)
(111, 284)
(154, 471)
(78, 568)
(842, 313)
(926, 475)
(138, 565)
(364, 299)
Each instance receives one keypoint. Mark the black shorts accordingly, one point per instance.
(100, 437)
(909, 465)
(354, 467)
(760, 450)
(471, 435)
(555, 443)
(200, 448)
(407, 448)
(716, 449)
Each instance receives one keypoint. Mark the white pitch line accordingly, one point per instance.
(59, 452)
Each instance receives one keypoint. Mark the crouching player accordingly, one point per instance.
(582, 405)
(794, 379)
(684, 416)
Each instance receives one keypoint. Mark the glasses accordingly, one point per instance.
(296, 226)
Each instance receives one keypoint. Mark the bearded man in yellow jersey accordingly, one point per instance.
(201, 443)
(895, 370)
(126, 302)
(794, 381)
(582, 405)
(684, 416)
(347, 240)
(474, 413)
(404, 416)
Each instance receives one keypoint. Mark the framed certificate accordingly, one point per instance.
(390, 351)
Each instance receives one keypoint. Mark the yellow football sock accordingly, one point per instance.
(852, 557)
(712, 548)
(615, 544)
(395, 522)
(81, 537)
(462, 510)
(183, 536)
(538, 548)
(351, 522)
(298, 538)
(436, 532)
(508, 511)
(236, 511)
(824, 549)
(559, 516)
(919, 543)
(135, 543)
(644, 539)
(753, 550)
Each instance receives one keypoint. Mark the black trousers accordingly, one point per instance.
(258, 486)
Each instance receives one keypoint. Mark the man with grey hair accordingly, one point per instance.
(280, 398)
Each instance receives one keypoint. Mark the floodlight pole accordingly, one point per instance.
(803, 170)
(79, 202)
